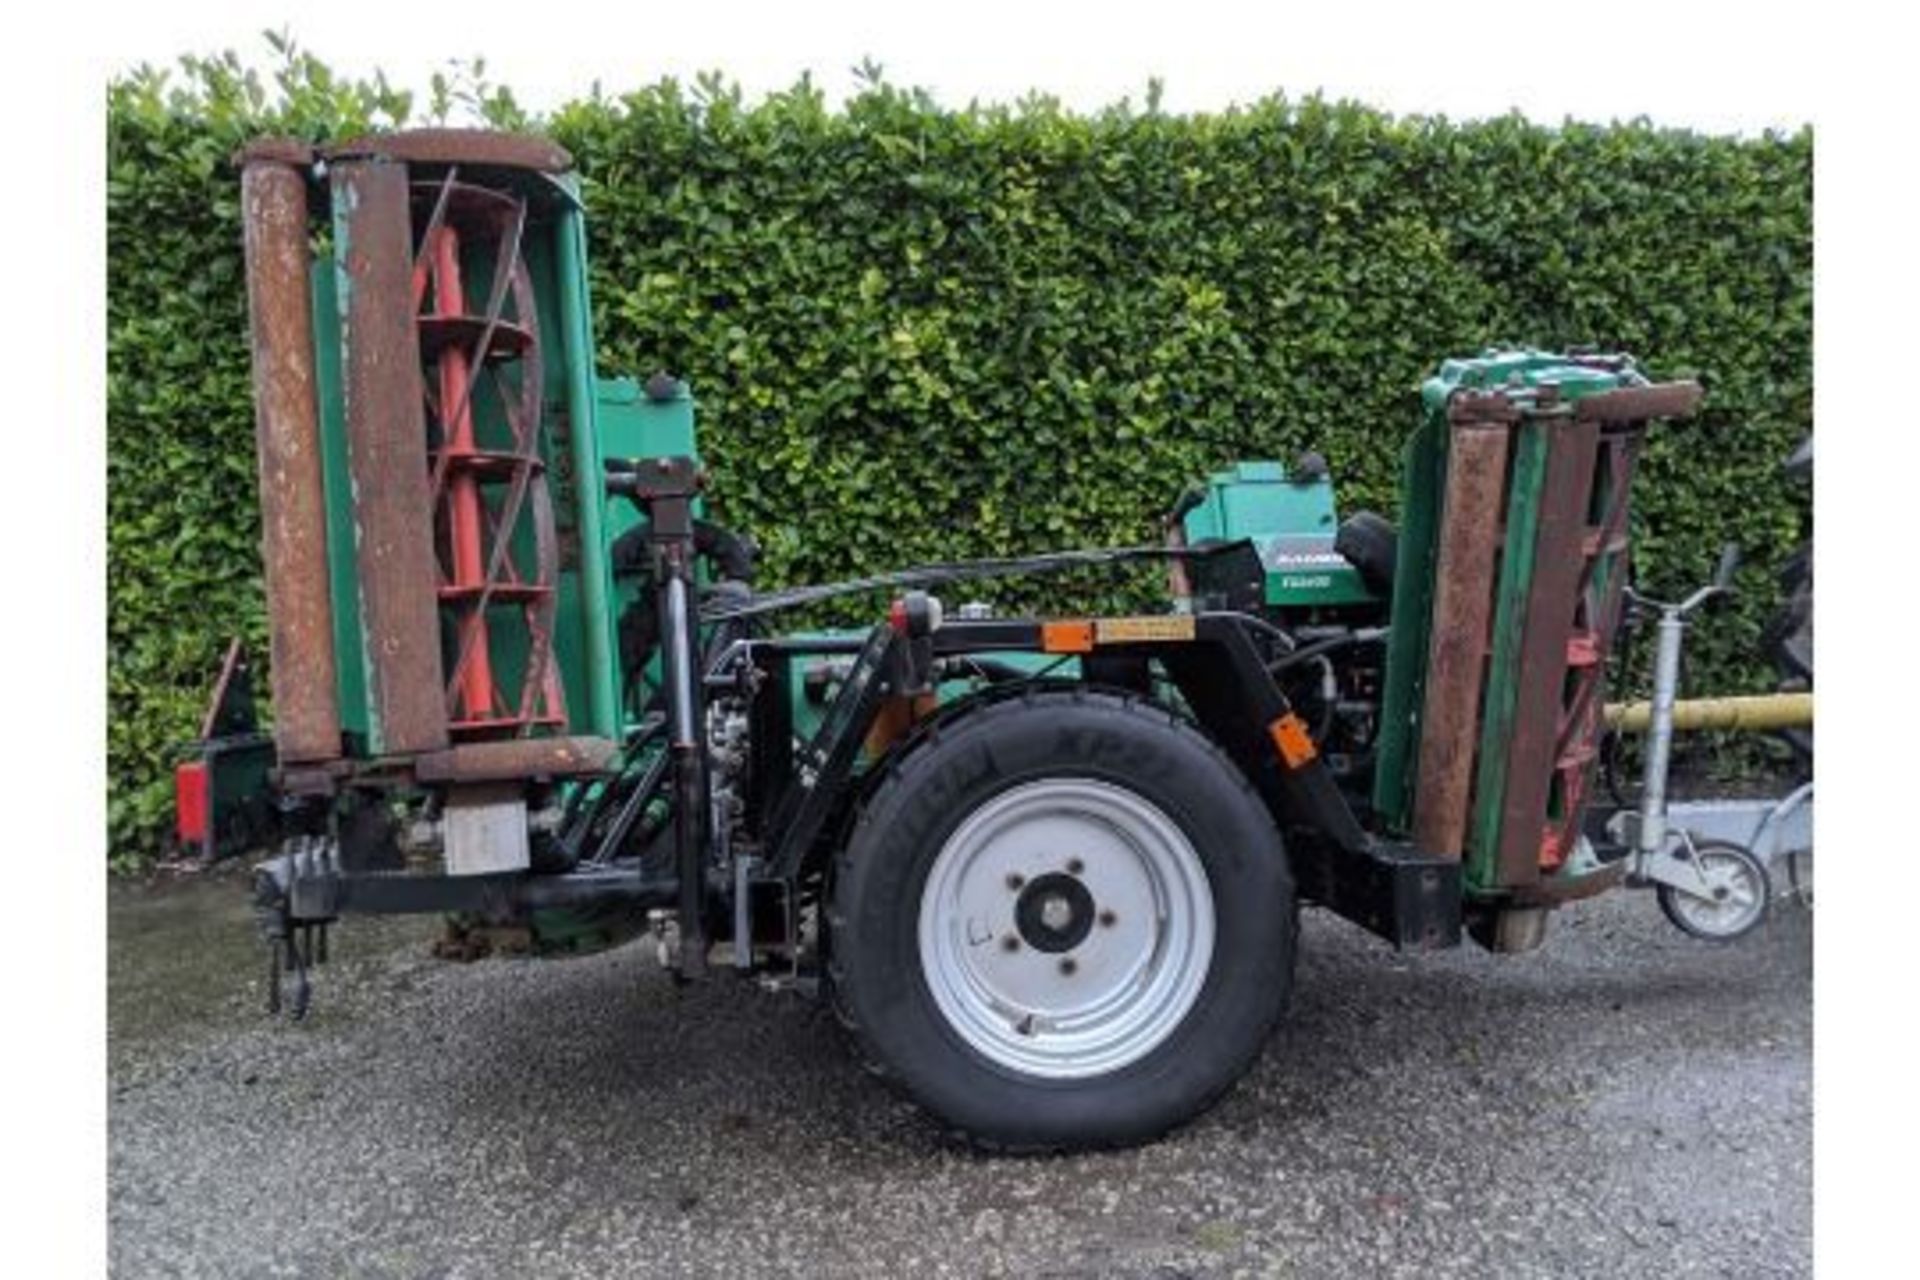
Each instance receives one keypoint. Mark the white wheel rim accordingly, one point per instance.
(1053, 980)
(1736, 898)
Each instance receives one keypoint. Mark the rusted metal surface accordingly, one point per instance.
(486, 147)
(293, 515)
(1638, 404)
(1552, 600)
(291, 152)
(1598, 599)
(515, 759)
(1475, 498)
(232, 696)
(1482, 407)
(308, 781)
(387, 456)
(1552, 890)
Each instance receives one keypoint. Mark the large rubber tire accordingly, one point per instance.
(1093, 742)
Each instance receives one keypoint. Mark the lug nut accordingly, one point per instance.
(1015, 880)
(1009, 943)
(1075, 866)
(1068, 965)
(1107, 918)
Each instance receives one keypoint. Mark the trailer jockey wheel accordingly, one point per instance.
(1738, 894)
(1062, 921)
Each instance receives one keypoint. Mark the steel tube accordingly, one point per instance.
(1666, 683)
(293, 511)
(1755, 713)
(687, 744)
(1638, 404)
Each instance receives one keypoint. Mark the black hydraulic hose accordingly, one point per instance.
(734, 555)
(930, 575)
(1365, 635)
(1258, 623)
(579, 824)
(644, 790)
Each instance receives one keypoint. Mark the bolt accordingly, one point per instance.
(1009, 943)
(1015, 880)
(1107, 919)
(1075, 866)
(1068, 965)
(1056, 913)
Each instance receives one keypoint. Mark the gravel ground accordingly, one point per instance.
(1623, 1102)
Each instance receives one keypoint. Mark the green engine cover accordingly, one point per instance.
(1291, 522)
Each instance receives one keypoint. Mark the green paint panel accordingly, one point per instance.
(1509, 623)
(632, 425)
(1291, 524)
(595, 674)
(1512, 370)
(350, 655)
(1423, 470)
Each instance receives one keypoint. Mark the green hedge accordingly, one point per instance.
(926, 333)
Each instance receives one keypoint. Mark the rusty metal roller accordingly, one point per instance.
(387, 456)
(1475, 499)
(292, 498)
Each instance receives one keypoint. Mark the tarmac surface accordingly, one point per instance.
(1625, 1101)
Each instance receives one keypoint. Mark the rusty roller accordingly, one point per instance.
(292, 499)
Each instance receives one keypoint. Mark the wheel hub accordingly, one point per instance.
(1734, 897)
(1054, 913)
(1066, 927)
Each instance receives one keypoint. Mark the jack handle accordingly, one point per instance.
(1722, 585)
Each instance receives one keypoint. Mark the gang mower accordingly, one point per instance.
(1046, 868)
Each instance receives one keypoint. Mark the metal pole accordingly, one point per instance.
(1749, 712)
(687, 743)
(1666, 686)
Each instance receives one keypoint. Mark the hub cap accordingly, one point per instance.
(1735, 899)
(1066, 928)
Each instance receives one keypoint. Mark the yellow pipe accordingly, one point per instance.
(1762, 711)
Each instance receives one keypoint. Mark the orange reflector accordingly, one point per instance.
(1291, 737)
(1066, 637)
